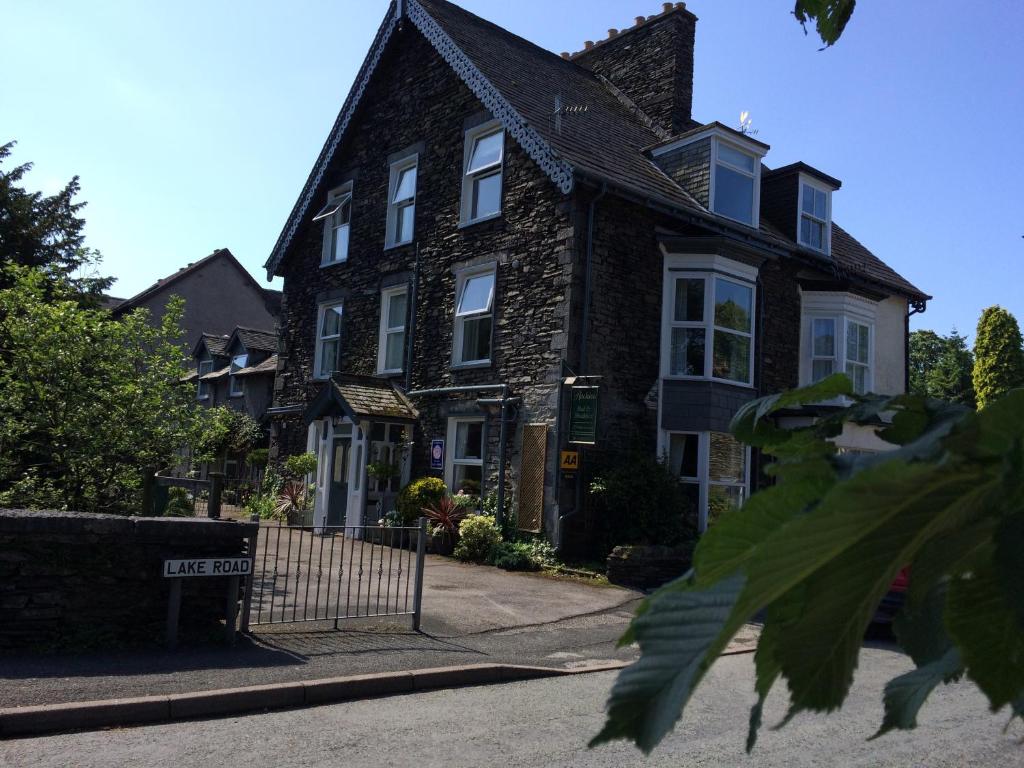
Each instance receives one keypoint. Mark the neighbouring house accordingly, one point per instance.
(219, 295)
(492, 230)
(237, 371)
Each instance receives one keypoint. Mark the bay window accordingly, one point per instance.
(838, 337)
(713, 469)
(474, 306)
(482, 172)
(391, 344)
(711, 328)
(328, 340)
(858, 366)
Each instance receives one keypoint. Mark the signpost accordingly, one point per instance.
(583, 406)
(231, 567)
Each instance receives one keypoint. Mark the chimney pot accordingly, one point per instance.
(640, 20)
(681, 6)
(666, 7)
(588, 44)
(612, 33)
(566, 54)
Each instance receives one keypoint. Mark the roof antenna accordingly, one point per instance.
(746, 124)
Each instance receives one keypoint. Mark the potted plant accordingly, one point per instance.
(292, 502)
(444, 516)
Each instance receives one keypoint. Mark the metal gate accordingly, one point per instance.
(331, 573)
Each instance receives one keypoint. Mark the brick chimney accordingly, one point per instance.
(651, 63)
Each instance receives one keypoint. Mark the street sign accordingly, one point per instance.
(221, 566)
(583, 403)
(437, 454)
(570, 461)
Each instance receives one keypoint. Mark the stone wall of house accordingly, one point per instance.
(652, 63)
(690, 168)
(72, 580)
(531, 243)
(779, 196)
(777, 358)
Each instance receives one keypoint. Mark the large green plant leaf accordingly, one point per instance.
(830, 17)
(986, 631)
(677, 637)
(920, 627)
(905, 695)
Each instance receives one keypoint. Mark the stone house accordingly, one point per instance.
(219, 295)
(492, 229)
(237, 371)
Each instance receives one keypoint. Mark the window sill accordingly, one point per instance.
(393, 246)
(730, 219)
(470, 366)
(239, 394)
(712, 379)
(390, 374)
(816, 251)
(471, 222)
(325, 264)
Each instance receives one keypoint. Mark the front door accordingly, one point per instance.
(341, 449)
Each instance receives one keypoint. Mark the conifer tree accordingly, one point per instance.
(998, 356)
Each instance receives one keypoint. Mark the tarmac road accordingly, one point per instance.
(547, 723)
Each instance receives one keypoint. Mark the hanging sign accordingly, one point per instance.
(437, 454)
(583, 415)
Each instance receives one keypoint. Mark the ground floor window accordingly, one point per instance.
(714, 469)
(465, 465)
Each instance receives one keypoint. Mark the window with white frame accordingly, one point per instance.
(401, 201)
(203, 387)
(336, 216)
(465, 461)
(328, 339)
(838, 337)
(711, 328)
(238, 362)
(814, 225)
(858, 355)
(391, 345)
(735, 183)
(474, 307)
(481, 181)
(713, 468)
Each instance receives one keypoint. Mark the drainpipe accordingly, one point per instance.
(411, 326)
(913, 310)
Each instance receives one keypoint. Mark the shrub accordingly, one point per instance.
(637, 500)
(179, 504)
(478, 536)
(513, 556)
(258, 457)
(263, 502)
(445, 515)
(300, 464)
(425, 492)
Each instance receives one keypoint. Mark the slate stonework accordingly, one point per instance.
(690, 167)
(75, 580)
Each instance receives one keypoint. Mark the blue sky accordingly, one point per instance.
(194, 124)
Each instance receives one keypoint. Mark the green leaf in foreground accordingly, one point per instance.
(904, 695)
(675, 636)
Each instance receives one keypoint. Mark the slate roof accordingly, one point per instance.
(216, 344)
(267, 366)
(251, 338)
(213, 375)
(370, 396)
(601, 138)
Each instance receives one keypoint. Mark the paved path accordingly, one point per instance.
(547, 723)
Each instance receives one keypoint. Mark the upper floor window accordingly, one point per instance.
(711, 323)
(238, 362)
(481, 181)
(736, 183)
(336, 215)
(815, 225)
(838, 337)
(328, 340)
(391, 347)
(203, 388)
(401, 201)
(474, 306)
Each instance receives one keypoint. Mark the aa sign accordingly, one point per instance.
(570, 461)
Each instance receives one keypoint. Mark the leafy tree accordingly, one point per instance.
(46, 233)
(829, 16)
(86, 402)
(223, 431)
(998, 355)
(819, 549)
(940, 367)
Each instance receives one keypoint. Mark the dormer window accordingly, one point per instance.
(238, 362)
(736, 183)
(814, 227)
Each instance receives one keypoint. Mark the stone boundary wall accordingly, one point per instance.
(71, 580)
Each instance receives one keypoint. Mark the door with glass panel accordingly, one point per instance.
(337, 503)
